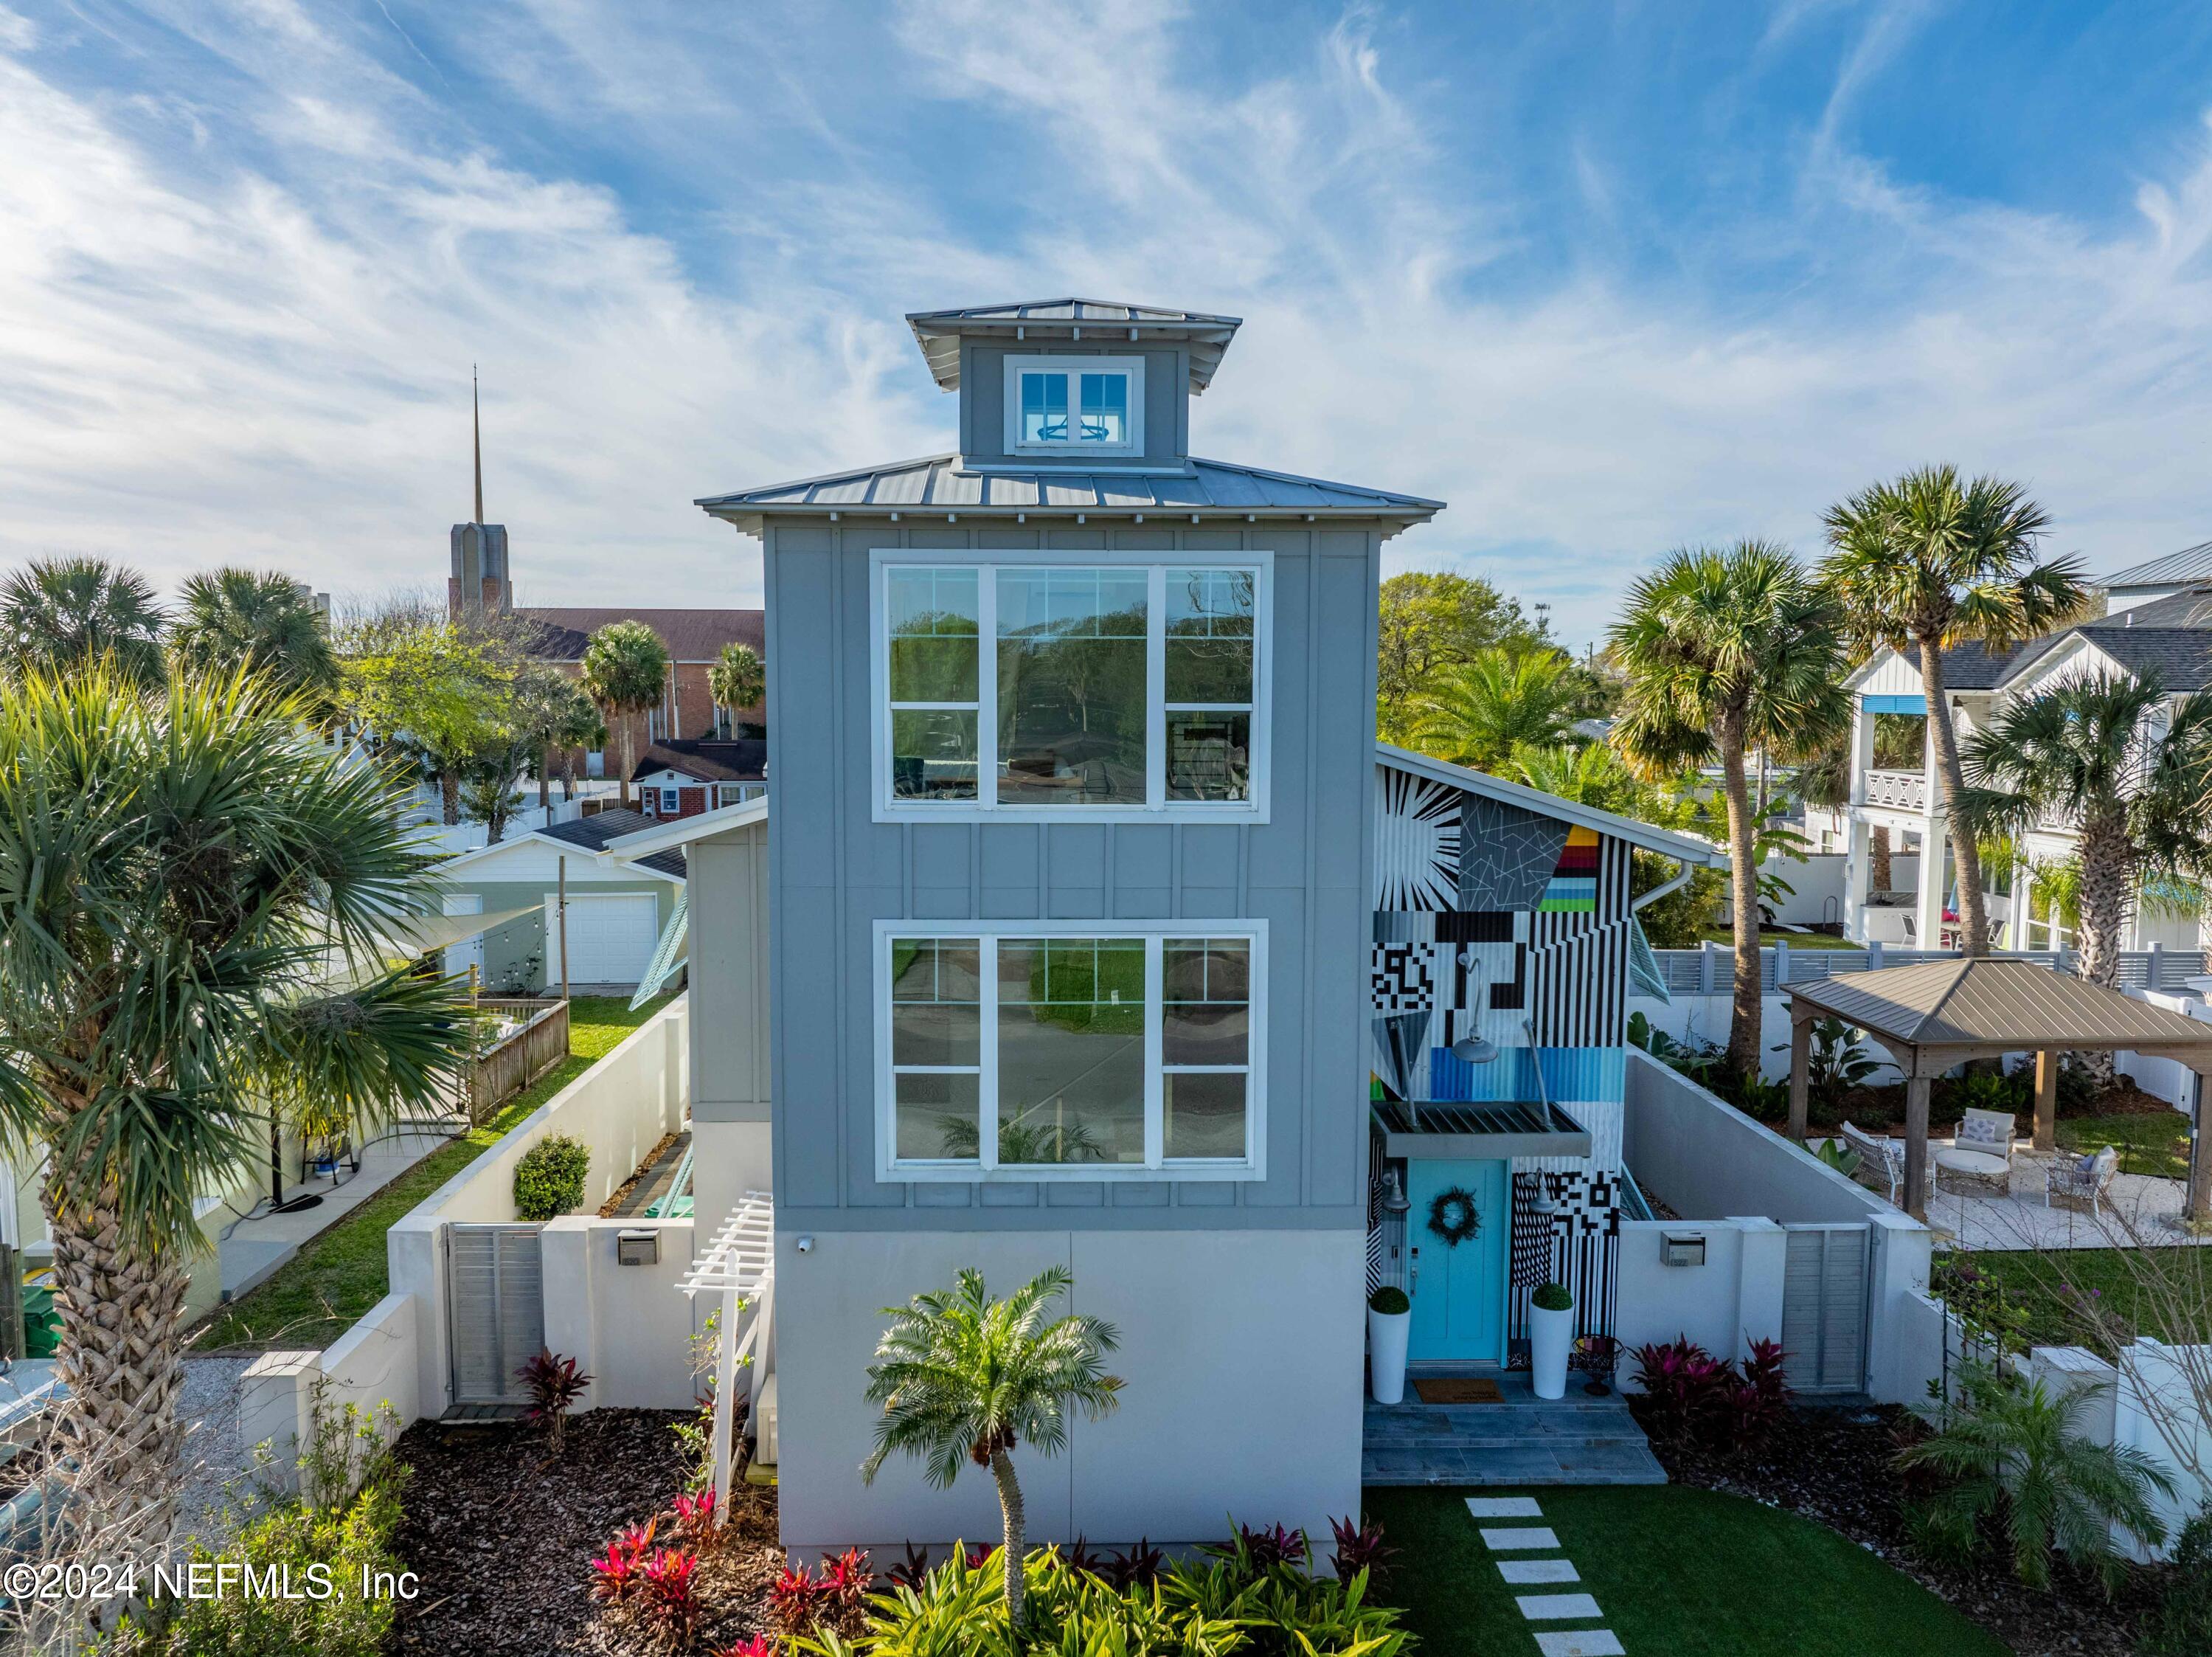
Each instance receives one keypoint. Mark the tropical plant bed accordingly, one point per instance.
(503, 1538)
(1836, 1467)
(1881, 1109)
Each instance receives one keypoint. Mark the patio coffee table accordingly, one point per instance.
(1972, 1173)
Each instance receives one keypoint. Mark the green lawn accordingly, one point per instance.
(334, 1280)
(2052, 1287)
(1684, 1572)
(2149, 1142)
(1726, 939)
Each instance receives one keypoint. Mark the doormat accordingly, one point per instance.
(1457, 1389)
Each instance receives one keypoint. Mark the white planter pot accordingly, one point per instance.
(1387, 1334)
(1551, 1334)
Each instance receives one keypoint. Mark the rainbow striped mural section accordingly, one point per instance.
(1572, 889)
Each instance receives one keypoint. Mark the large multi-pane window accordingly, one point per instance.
(1059, 1054)
(1107, 688)
(1081, 405)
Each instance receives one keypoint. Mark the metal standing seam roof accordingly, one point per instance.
(1987, 1001)
(940, 482)
(2192, 563)
(939, 332)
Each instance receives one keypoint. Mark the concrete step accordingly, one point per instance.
(1513, 1466)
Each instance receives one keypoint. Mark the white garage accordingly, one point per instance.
(610, 936)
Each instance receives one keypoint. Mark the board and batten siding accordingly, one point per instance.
(983, 406)
(834, 872)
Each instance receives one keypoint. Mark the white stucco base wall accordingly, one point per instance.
(728, 1158)
(1242, 1354)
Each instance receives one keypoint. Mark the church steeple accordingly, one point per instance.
(479, 583)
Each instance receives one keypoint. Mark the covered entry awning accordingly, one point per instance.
(1938, 1015)
(1473, 1131)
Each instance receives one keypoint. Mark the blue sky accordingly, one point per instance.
(1607, 279)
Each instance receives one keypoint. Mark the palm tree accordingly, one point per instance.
(737, 681)
(1591, 775)
(1479, 710)
(59, 614)
(175, 873)
(1725, 651)
(1928, 563)
(961, 1377)
(2101, 754)
(262, 620)
(625, 672)
(2014, 1454)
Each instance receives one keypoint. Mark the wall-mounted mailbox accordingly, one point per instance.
(642, 1248)
(1682, 1248)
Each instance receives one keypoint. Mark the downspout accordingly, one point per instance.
(1660, 891)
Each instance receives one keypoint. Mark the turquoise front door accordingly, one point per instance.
(1458, 1290)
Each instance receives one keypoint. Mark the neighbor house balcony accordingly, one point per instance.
(1897, 791)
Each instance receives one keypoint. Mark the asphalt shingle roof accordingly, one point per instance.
(593, 834)
(740, 759)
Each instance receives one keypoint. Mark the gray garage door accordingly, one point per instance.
(495, 1309)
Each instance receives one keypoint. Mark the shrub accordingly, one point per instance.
(554, 1384)
(1359, 1548)
(548, 1178)
(2181, 1626)
(695, 1514)
(1552, 1297)
(1689, 1393)
(1279, 1611)
(669, 1580)
(617, 1573)
(303, 1540)
(1390, 1300)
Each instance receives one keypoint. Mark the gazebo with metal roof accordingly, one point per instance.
(1940, 1014)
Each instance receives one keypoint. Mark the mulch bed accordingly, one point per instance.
(1833, 1466)
(502, 1538)
(1881, 1109)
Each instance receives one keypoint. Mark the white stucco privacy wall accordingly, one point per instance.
(1242, 1352)
(628, 1327)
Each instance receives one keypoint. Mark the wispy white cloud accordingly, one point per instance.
(237, 308)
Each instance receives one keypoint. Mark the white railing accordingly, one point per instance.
(1897, 791)
(1711, 971)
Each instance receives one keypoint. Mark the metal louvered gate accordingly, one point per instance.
(495, 1310)
(1824, 1307)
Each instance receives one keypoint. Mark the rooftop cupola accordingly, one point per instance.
(1075, 382)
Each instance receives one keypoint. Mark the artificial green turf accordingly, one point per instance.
(2148, 1142)
(1681, 1572)
(1726, 939)
(2052, 1287)
(319, 1293)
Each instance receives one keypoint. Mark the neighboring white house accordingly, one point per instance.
(2166, 628)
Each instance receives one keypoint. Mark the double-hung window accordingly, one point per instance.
(1070, 1052)
(1075, 404)
(1058, 688)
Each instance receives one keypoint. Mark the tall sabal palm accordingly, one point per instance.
(625, 673)
(1725, 651)
(963, 1378)
(1478, 712)
(261, 620)
(60, 614)
(1591, 775)
(2133, 778)
(176, 869)
(737, 679)
(1930, 561)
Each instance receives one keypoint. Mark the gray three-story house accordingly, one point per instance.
(1069, 879)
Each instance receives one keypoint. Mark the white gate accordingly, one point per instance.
(1825, 1302)
(495, 1308)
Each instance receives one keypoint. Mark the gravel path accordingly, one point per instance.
(212, 1451)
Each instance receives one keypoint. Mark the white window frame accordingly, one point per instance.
(1157, 807)
(987, 935)
(1131, 367)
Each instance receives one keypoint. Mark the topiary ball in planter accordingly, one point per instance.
(1552, 1297)
(549, 1178)
(1389, 1300)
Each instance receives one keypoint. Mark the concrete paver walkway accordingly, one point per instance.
(1520, 1540)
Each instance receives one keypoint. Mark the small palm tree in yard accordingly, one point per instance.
(1933, 561)
(963, 1378)
(1726, 651)
(58, 614)
(176, 869)
(737, 681)
(625, 672)
(2010, 1454)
